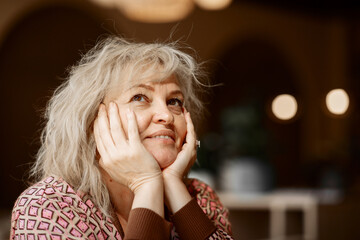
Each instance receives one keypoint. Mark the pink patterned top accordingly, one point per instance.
(51, 209)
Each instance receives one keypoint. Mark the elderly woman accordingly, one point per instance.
(117, 145)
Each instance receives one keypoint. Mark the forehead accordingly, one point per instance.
(170, 81)
(124, 85)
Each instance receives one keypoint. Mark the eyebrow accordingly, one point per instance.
(177, 92)
(141, 85)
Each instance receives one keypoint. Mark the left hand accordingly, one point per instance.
(187, 156)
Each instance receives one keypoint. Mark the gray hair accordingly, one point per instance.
(68, 148)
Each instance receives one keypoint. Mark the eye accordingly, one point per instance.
(139, 98)
(175, 102)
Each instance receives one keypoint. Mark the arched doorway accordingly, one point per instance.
(253, 71)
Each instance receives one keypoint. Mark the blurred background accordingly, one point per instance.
(280, 142)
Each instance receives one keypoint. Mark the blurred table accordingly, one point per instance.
(277, 203)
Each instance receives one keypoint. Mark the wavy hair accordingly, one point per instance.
(68, 148)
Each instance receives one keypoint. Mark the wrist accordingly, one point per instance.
(150, 195)
(147, 183)
(170, 175)
(176, 193)
(150, 184)
(171, 182)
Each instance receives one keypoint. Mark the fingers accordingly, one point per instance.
(99, 143)
(133, 131)
(109, 131)
(191, 135)
(104, 129)
(187, 155)
(116, 128)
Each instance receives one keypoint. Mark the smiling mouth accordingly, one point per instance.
(163, 137)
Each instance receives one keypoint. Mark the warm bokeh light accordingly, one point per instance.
(151, 11)
(337, 101)
(157, 11)
(213, 4)
(284, 106)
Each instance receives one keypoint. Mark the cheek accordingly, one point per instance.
(143, 120)
(181, 130)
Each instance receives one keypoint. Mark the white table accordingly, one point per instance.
(278, 203)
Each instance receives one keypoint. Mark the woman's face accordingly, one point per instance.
(159, 114)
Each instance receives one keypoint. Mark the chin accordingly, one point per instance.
(164, 159)
(164, 165)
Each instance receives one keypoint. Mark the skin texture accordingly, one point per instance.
(158, 110)
(140, 169)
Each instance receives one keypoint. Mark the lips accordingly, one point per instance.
(163, 134)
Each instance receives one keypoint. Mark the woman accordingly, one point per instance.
(117, 144)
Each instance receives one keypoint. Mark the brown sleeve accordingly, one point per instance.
(192, 223)
(146, 224)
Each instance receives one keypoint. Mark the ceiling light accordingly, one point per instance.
(213, 4)
(337, 101)
(155, 11)
(284, 106)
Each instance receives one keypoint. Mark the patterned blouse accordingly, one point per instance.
(51, 209)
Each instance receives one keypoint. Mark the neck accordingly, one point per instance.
(121, 197)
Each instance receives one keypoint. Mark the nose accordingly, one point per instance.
(162, 114)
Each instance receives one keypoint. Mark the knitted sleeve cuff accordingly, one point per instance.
(146, 224)
(192, 223)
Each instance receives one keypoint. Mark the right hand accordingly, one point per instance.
(126, 160)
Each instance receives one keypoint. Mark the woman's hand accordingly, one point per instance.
(125, 160)
(176, 193)
(187, 156)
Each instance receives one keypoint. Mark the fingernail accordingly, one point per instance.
(112, 105)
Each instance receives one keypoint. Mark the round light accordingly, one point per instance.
(284, 106)
(213, 4)
(155, 11)
(337, 101)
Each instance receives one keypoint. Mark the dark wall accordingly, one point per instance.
(33, 62)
